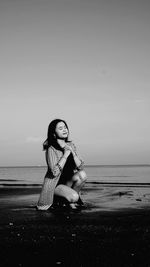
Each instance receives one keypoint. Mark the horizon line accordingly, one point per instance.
(86, 165)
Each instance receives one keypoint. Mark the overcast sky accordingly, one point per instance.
(85, 61)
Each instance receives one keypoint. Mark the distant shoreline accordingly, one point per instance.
(87, 165)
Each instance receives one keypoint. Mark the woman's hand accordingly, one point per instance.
(71, 148)
(67, 150)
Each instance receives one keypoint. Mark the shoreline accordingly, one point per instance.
(86, 165)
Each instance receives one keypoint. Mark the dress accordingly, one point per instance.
(55, 175)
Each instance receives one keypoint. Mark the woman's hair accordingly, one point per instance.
(51, 139)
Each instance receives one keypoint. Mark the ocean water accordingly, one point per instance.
(33, 176)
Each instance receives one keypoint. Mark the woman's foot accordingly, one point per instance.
(73, 206)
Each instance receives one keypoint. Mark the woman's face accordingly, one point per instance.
(61, 130)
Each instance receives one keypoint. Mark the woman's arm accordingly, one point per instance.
(56, 166)
(78, 162)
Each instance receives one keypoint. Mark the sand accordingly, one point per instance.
(113, 229)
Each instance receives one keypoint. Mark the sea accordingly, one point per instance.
(99, 174)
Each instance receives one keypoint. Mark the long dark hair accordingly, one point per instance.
(51, 140)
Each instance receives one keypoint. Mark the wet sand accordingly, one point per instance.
(113, 228)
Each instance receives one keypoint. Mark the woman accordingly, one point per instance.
(65, 175)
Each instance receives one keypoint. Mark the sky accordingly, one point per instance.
(87, 62)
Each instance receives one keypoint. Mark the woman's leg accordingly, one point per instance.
(66, 192)
(71, 190)
(78, 180)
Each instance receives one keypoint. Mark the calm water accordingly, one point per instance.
(96, 174)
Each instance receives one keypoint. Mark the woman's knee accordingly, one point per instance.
(82, 175)
(76, 178)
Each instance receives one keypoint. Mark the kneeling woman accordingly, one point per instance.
(65, 175)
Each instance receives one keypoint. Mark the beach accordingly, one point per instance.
(112, 229)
